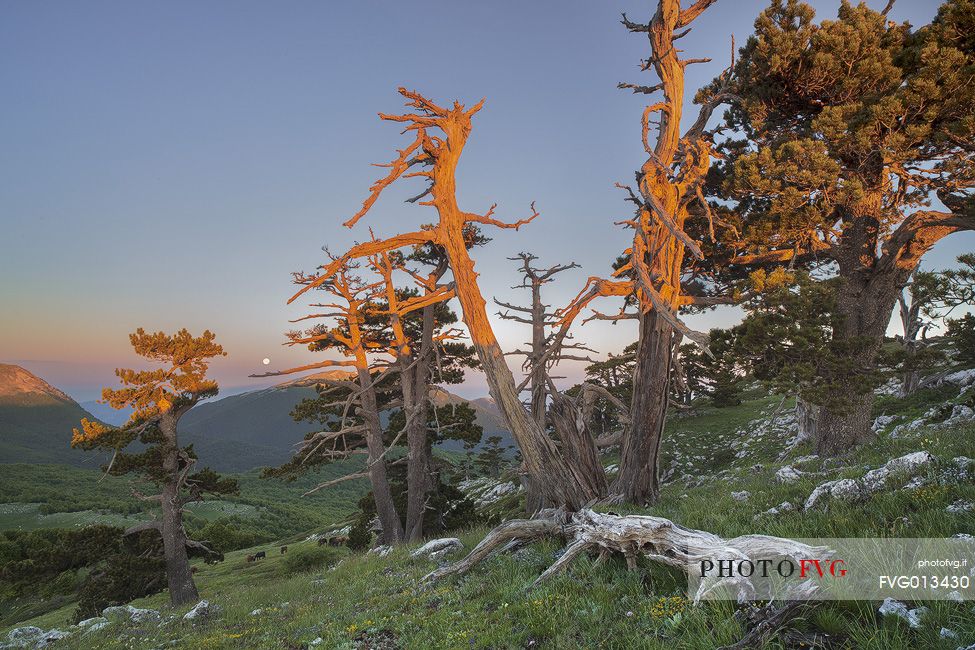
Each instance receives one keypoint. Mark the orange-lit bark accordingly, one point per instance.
(438, 156)
(667, 184)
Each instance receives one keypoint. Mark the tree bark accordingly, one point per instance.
(383, 495)
(864, 303)
(182, 589)
(557, 481)
(416, 393)
(638, 480)
(807, 417)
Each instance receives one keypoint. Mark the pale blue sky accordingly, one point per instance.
(169, 164)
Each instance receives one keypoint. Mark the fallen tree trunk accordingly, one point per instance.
(655, 538)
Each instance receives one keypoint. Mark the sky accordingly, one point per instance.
(167, 165)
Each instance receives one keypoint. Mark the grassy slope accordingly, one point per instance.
(367, 599)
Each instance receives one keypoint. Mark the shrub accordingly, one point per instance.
(961, 331)
(359, 536)
(311, 558)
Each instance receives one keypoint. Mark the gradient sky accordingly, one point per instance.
(168, 165)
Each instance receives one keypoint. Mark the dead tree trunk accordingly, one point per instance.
(383, 495)
(348, 337)
(539, 357)
(668, 185)
(638, 480)
(419, 465)
(438, 157)
(632, 536)
(807, 417)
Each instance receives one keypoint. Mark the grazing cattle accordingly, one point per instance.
(250, 558)
(338, 541)
(322, 541)
(260, 555)
(284, 549)
(194, 569)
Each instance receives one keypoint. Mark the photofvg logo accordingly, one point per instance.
(839, 569)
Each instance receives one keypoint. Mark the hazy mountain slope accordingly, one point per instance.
(232, 434)
(488, 417)
(255, 429)
(36, 421)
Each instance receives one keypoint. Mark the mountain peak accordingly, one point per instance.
(16, 382)
(317, 378)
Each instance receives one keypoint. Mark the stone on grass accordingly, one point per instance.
(960, 506)
(130, 613)
(960, 413)
(945, 633)
(496, 492)
(896, 608)
(843, 489)
(50, 637)
(741, 496)
(883, 421)
(23, 636)
(203, 609)
(961, 378)
(438, 547)
(877, 479)
(782, 508)
(788, 474)
(381, 551)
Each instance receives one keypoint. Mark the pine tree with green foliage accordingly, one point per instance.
(159, 398)
(853, 153)
(961, 332)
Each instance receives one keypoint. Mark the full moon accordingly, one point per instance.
(266, 361)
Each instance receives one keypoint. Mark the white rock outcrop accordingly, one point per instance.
(203, 609)
(437, 548)
(910, 464)
(788, 474)
(131, 614)
(892, 607)
(843, 489)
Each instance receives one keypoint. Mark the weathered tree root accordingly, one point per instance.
(762, 623)
(656, 538)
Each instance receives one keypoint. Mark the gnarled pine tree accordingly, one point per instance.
(357, 405)
(853, 131)
(159, 398)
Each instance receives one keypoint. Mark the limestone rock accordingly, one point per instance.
(438, 547)
(892, 607)
(788, 474)
(131, 614)
(844, 489)
(203, 609)
(878, 479)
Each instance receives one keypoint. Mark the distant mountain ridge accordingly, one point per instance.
(36, 421)
(255, 429)
(233, 434)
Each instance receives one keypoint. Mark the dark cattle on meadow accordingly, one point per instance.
(260, 555)
(284, 549)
